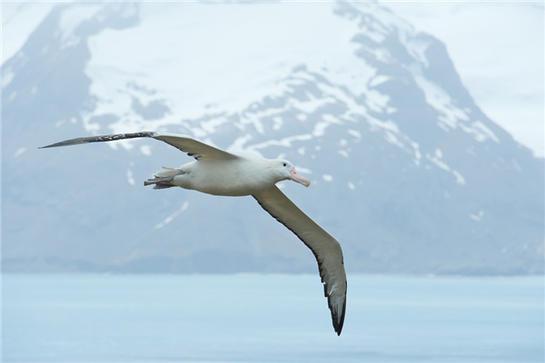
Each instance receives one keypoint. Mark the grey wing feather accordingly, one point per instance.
(102, 138)
(197, 149)
(191, 147)
(326, 249)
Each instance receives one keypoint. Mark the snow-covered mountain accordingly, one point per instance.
(410, 174)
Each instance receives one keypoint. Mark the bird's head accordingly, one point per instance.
(285, 170)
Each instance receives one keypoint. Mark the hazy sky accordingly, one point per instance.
(496, 47)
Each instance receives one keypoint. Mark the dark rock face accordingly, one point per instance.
(409, 174)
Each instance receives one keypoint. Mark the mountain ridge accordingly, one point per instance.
(416, 177)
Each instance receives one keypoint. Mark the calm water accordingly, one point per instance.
(269, 318)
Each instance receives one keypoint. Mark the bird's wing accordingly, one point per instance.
(198, 150)
(325, 248)
(191, 147)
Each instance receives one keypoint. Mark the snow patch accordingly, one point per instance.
(285, 142)
(439, 162)
(378, 79)
(173, 216)
(343, 153)
(23, 17)
(253, 120)
(377, 101)
(417, 153)
(377, 124)
(321, 126)
(310, 106)
(300, 169)
(417, 47)
(355, 133)
(277, 123)
(238, 144)
(255, 57)
(210, 126)
(477, 216)
(130, 177)
(437, 98)
(7, 77)
(71, 18)
(450, 115)
(20, 151)
(392, 139)
(145, 150)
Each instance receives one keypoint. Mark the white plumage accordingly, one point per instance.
(218, 172)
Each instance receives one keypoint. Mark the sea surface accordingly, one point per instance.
(254, 318)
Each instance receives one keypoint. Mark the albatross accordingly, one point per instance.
(219, 172)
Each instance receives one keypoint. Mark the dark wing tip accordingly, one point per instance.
(102, 138)
(337, 315)
(338, 323)
(53, 145)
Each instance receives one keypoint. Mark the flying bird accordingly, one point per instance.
(219, 172)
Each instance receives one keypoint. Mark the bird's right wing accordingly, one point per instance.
(325, 248)
(197, 149)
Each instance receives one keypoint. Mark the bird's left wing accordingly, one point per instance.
(197, 149)
(325, 248)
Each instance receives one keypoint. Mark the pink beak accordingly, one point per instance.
(298, 178)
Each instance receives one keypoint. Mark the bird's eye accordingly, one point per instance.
(284, 164)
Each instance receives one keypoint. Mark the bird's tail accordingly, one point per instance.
(163, 179)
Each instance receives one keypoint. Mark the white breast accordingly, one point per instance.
(230, 178)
